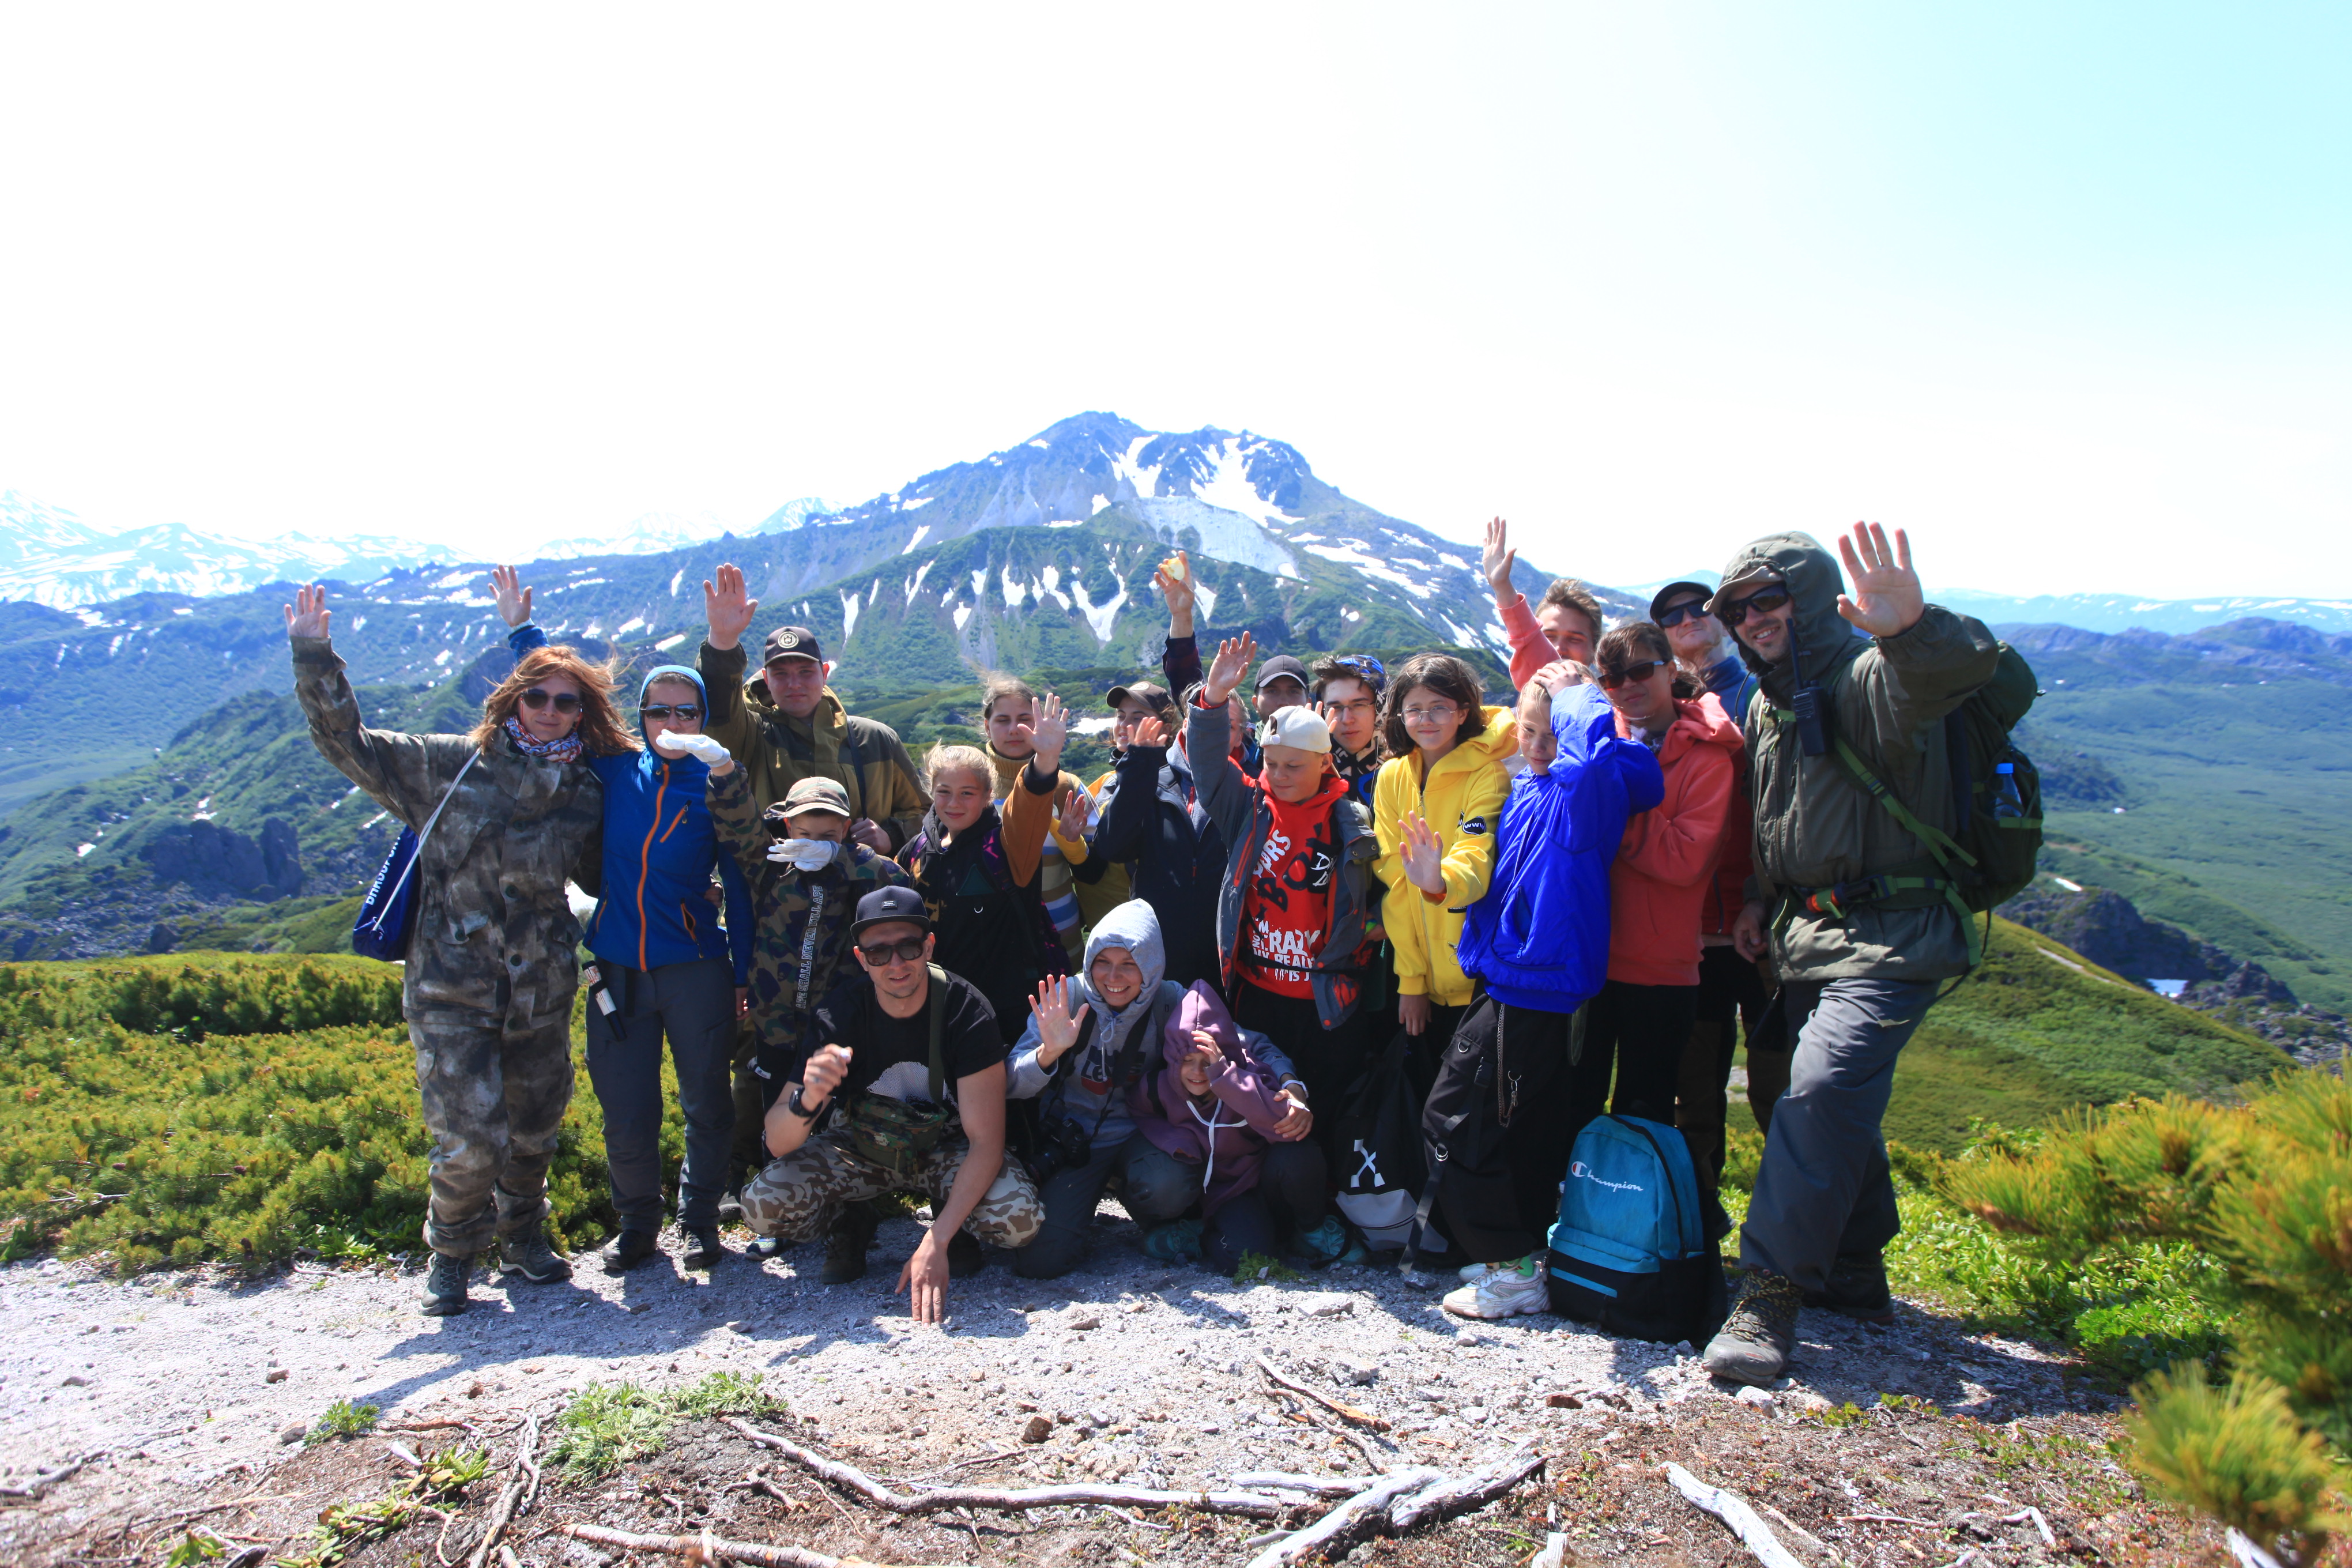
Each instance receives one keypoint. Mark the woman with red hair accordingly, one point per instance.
(513, 813)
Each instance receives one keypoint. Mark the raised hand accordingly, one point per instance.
(1496, 561)
(1049, 734)
(1057, 1030)
(1887, 600)
(1176, 587)
(1077, 810)
(1234, 656)
(1150, 732)
(514, 599)
(702, 748)
(308, 616)
(726, 607)
(1425, 857)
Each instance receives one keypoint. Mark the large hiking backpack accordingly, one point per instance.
(1381, 1170)
(1995, 793)
(1632, 1251)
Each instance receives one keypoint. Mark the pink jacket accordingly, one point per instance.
(1530, 649)
(1226, 1132)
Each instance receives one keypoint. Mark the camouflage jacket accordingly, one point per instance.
(800, 919)
(494, 932)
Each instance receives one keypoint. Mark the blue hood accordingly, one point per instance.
(669, 672)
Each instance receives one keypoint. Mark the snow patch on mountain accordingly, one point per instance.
(1224, 536)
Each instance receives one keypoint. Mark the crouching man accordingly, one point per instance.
(907, 1094)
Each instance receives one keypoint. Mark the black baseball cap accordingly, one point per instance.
(1150, 693)
(886, 904)
(791, 642)
(1658, 600)
(1277, 666)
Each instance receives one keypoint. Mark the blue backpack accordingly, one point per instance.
(1633, 1252)
(387, 921)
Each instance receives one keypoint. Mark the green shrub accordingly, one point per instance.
(610, 1424)
(2238, 1452)
(302, 1139)
(344, 1419)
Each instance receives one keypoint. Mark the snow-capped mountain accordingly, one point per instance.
(2130, 612)
(52, 557)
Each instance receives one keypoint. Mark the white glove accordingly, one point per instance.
(701, 747)
(802, 854)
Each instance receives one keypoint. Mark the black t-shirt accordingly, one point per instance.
(892, 1056)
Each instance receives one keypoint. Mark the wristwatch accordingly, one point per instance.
(800, 1108)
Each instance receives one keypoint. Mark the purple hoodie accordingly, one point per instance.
(1226, 1136)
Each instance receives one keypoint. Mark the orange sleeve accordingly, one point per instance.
(1026, 817)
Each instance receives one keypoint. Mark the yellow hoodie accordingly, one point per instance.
(1463, 801)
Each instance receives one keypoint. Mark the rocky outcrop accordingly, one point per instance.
(2107, 928)
(216, 862)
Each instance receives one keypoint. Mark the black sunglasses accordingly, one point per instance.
(1688, 610)
(683, 710)
(1764, 599)
(1611, 679)
(905, 952)
(539, 696)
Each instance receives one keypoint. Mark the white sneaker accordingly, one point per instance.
(1505, 1290)
(1470, 1273)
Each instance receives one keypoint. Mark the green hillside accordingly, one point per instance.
(2036, 1031)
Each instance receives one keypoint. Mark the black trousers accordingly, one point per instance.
(1731, 1001)
(694, 1005)
(1329, 1061)
(1290, 1198)
(1496, 1130)
(1638, 1032)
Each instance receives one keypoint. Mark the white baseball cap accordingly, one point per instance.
(1300, 728)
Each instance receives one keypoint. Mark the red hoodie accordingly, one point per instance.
(1665, 864)
(1287, 907)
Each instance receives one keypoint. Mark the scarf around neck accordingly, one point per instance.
(567, 750)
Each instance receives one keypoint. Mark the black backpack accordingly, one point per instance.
(1381, 1167)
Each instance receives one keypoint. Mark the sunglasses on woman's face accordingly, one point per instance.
(1611, 679)
(684, 712)
(1764, 599)
(904, 951)
(539, 696)
(1688, 610)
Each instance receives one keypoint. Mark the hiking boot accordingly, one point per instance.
(731, 1206)
(1504, 1290)
(529, 1253)
(964, 1256)
(1177, 1241)
(844, 1249)
(705, 1249)
(1857, 1287)
(1323, 1246)
(630, 1248)
(1755, 1341)
(445, 1285)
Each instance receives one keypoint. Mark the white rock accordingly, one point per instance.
(1753, 1395)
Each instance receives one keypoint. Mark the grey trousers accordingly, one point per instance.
(694, 1005)
(1824, 1191)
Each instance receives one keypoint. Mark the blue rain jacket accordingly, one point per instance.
(659, 851)
(1541, 936)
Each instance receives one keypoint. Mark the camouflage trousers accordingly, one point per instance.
(494, 1090)
(798, 1197)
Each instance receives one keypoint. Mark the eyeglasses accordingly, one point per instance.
(1688, 610)
(905, 952)
(1435, 713)
(684, 712)
(1766, 600)
(1611, 679)
(1361, 705)
(539, 696)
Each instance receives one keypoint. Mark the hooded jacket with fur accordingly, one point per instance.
(1815, 825)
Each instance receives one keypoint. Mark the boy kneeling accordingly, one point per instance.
(868, 1112)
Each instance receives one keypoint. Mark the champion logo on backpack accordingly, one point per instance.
(1584, 1172)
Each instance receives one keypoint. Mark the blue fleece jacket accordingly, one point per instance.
(659, 851)
(1541, 936)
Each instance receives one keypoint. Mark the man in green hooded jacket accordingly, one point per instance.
(1850, 906)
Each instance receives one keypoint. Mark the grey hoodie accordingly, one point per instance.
(1815, 826)
(1084, 1074)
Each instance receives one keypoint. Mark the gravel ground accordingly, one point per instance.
(192, 1387)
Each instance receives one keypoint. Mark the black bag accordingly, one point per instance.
(1381, 1169)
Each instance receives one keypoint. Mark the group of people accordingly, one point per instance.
(1012, 991)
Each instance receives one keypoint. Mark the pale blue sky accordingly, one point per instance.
(2063, 289)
